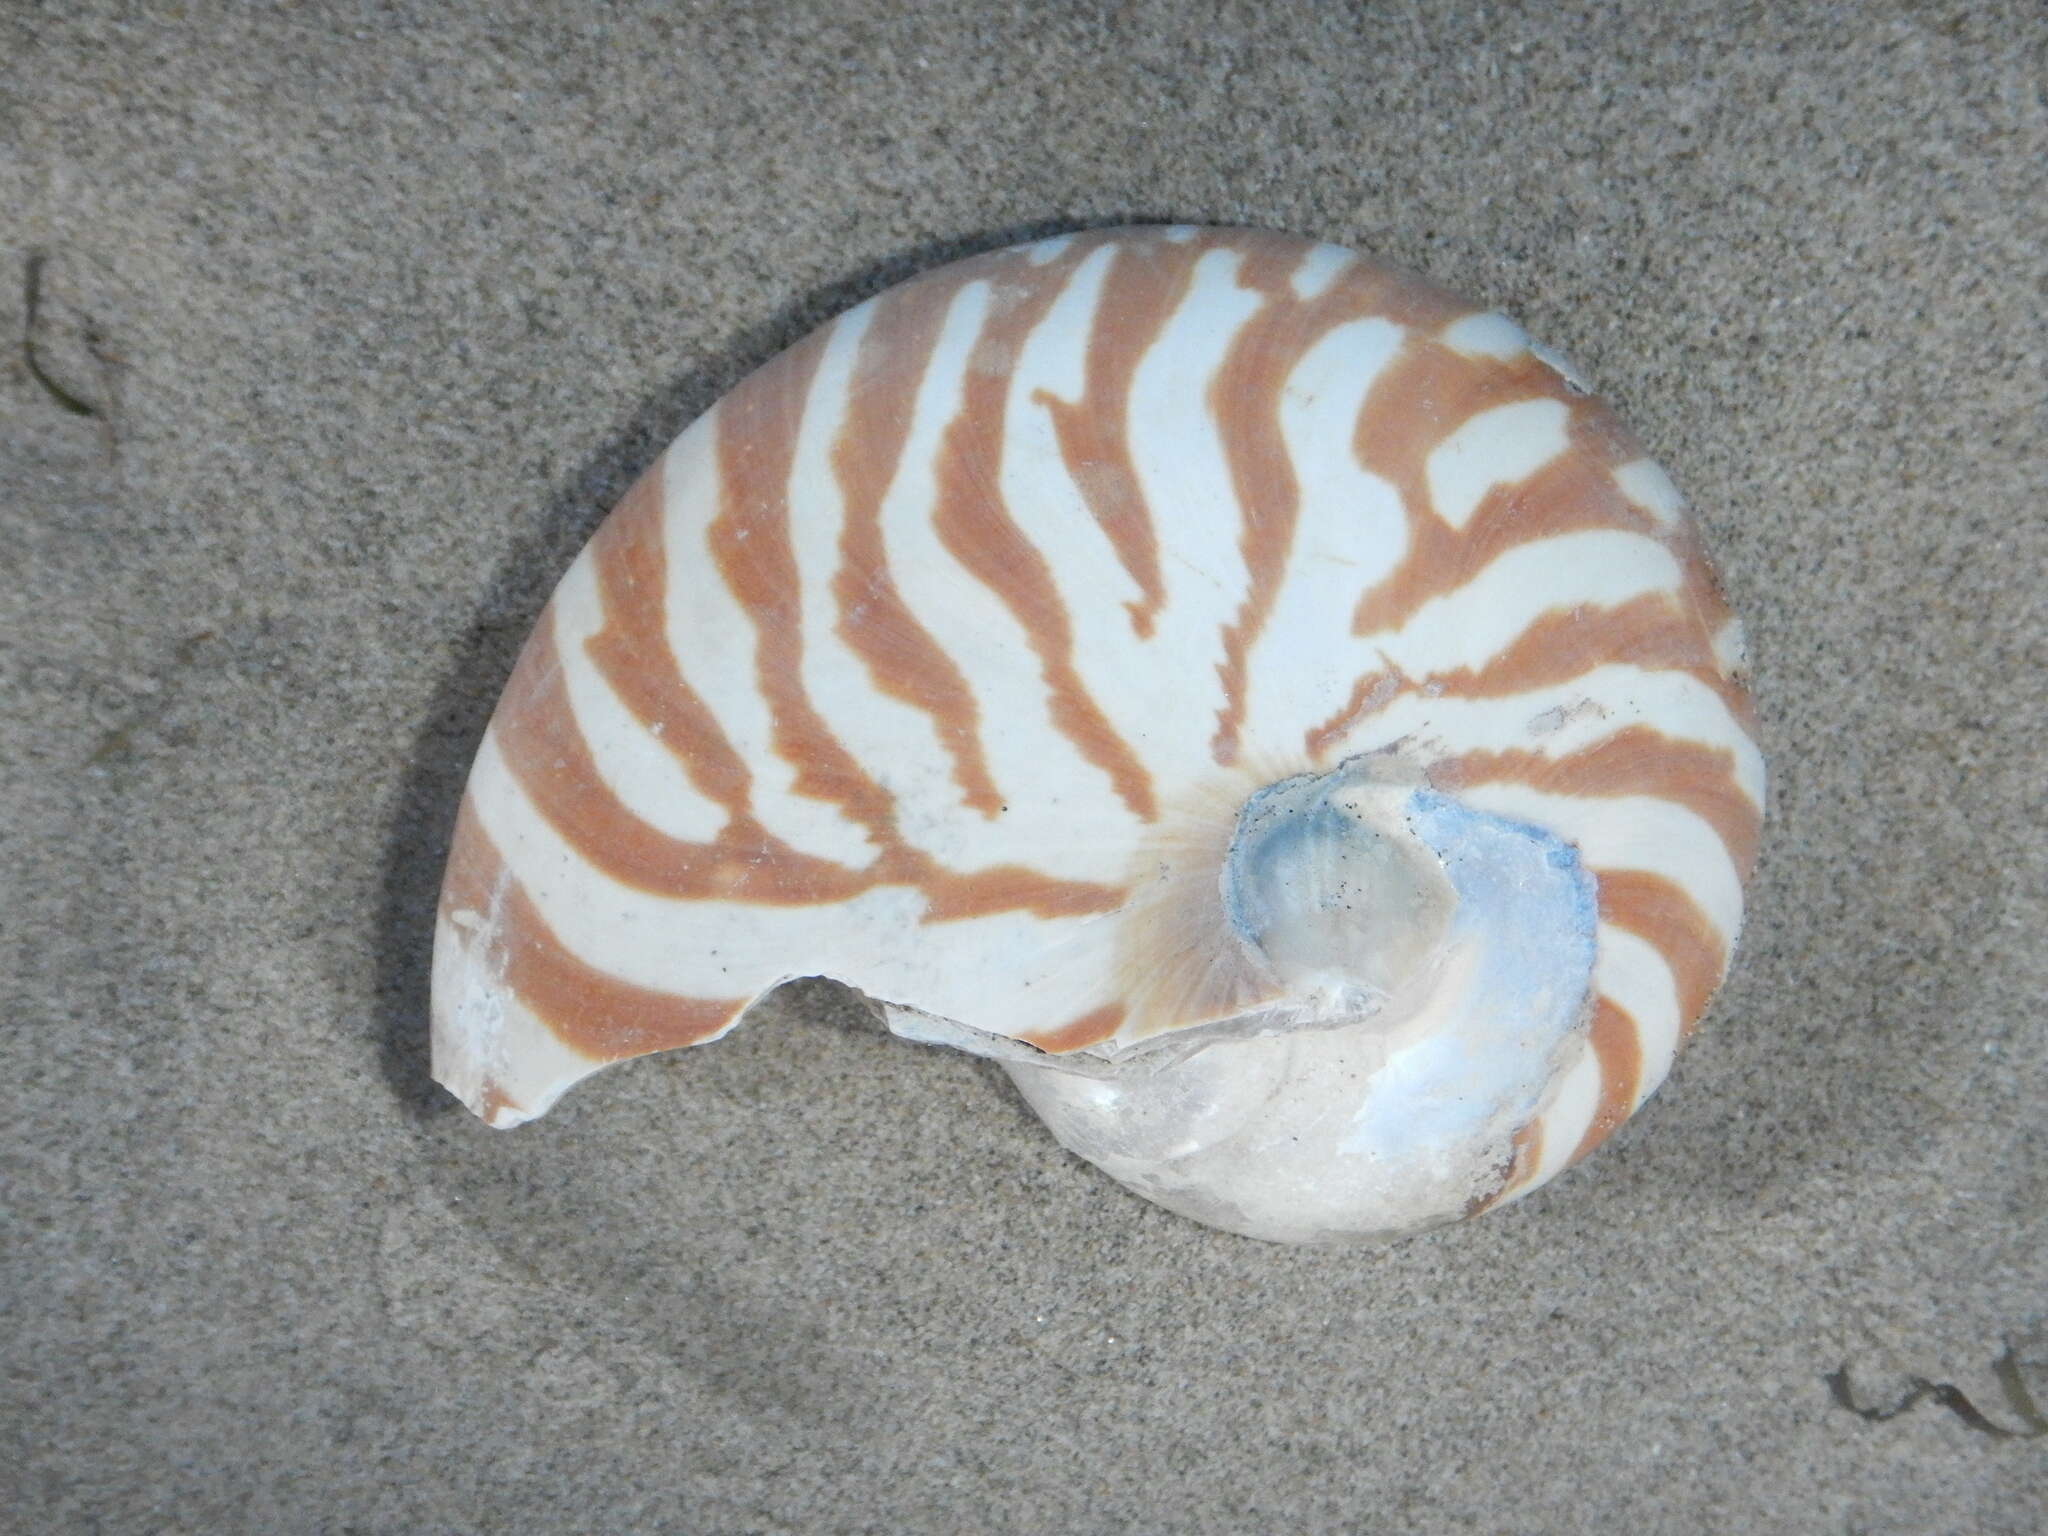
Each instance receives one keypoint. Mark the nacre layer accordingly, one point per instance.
(1258, 697)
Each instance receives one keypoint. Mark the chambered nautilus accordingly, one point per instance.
(1265, 703)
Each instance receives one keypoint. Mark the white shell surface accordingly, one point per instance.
(948, 653)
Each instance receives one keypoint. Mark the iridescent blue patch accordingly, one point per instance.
(1525, 921)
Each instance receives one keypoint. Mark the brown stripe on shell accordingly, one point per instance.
(977, 529)
(1604, 437)
(1090, 1029)
(547, 753)
(1431, 393)
(588, 1009)
(877, 625)
(1619, 1050)
(632, 651)
(1370, 693)
(757, 427)
(492, 1101)
(1525, 1155)
(469, 887)
(1420, 398)
(536, 730)
(753, 865)
(1661, 914)
(1147, 282)
(1652, 632)
(604, 1018)
(1244, 398)
(954, 897)
(1421, 401)
(474, 867)
(1637, 760)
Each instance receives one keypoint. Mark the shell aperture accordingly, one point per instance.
(1394, 1108)
(1247, 691)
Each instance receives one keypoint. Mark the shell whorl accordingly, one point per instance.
(942, 655)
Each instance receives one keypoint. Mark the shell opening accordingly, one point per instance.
(1328, 881)
(1439, 961)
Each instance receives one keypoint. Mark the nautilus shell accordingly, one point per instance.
(1261, 700)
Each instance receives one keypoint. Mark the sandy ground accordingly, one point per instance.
(346, 322)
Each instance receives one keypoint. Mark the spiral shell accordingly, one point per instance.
(1263, 700)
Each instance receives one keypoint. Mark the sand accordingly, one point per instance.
(348, 323)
